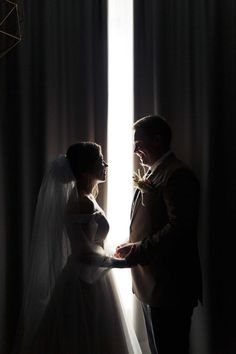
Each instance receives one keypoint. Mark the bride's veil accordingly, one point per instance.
(49, 248)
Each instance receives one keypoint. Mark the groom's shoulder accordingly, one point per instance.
(176, 167)
(179, 170)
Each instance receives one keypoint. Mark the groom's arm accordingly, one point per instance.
(181, 197)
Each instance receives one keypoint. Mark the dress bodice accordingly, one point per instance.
(86, 232)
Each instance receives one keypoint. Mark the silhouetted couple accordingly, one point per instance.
(71, 305)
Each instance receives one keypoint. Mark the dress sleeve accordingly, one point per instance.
(88, 255)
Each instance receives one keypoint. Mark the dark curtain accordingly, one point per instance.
(53, 92)
(184, 70)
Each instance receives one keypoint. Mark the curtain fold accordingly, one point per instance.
(184, 70)
(53, 93)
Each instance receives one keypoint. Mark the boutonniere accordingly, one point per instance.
(142, 183)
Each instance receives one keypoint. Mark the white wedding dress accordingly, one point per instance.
(84, 314)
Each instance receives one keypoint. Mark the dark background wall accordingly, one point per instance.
(53, 92)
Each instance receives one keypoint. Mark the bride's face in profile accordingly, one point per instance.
(100, 167)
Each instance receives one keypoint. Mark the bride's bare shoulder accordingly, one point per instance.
(80, 204)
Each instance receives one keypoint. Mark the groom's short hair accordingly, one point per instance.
(155, 125)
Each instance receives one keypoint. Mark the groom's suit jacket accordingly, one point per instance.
(168, 272)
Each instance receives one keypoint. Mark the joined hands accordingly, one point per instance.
(125, 250)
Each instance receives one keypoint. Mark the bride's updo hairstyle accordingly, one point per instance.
(82, 157)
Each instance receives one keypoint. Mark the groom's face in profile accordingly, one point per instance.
(144, 148)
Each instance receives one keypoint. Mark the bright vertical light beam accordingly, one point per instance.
(120, 121)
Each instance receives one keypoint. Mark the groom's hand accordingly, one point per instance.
(125, 250)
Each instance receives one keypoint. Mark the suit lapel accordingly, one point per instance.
(136, 200)
(153, 177)
(137, 195)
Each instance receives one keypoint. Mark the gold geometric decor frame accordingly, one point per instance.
(11, 24)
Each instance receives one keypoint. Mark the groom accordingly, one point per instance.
(163, 251)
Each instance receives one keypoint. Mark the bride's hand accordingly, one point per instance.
(125, 250)
(117, 254)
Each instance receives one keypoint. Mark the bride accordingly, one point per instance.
(70, 305)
